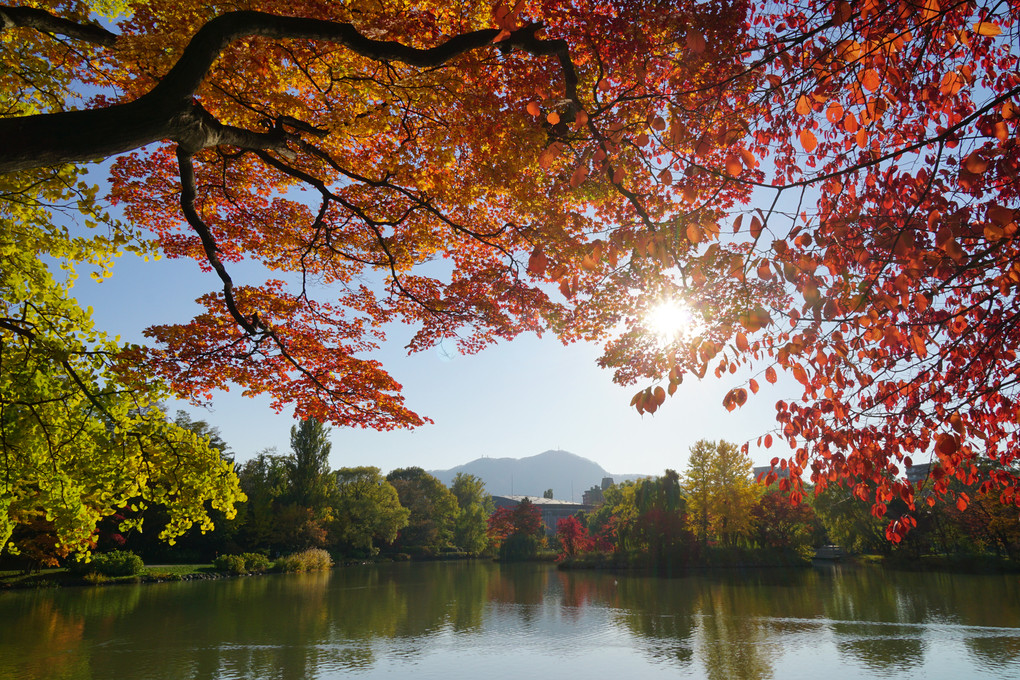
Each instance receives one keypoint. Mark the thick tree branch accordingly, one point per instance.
(40, 20)
(168, 111)
(188, 196)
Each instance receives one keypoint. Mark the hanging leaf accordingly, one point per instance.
(987, 28)
(808, 140)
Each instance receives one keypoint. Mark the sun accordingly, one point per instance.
(671, 320)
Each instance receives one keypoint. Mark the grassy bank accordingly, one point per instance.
(61, 577)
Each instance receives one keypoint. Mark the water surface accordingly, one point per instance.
(478, 619)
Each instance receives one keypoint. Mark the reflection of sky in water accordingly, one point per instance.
(457, 620)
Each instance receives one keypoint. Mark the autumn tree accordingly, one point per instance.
(777, 523)
(205, 431)
(560, 157)
(650, 522)
(573, 537)
(517, 532)
(720, 490)
(849, 523)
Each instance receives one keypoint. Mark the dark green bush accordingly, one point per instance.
(256, 563)
(518, 547)
(230, 564)
(116, 563)
(245, 563)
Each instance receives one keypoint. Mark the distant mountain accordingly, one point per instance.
(563, 472)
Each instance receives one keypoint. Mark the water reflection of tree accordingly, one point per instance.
(519, 584)
(865, 605)
(728, 625)
(883, 649)
(41, 640)
(733, 630)
(662, 615)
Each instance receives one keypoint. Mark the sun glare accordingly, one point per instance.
(670, 320)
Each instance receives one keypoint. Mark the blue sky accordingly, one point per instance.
(515, 399)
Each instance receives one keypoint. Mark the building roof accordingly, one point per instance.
(538, 500)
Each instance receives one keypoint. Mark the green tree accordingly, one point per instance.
(650, 521)
(850, 524)
(205, 431)
(469, 532)
(264, 481)
(433, 510)
(308, 465)
(548, 493)
(776, 522)
(366, 511)
(81, 433)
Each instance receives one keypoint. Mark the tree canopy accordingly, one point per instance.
(829, 189)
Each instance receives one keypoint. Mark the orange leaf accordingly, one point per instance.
(808, 140)
(537, 262)
(578, 176)
(733, 165)
(696, 41)
(956, 421)
(951, 83)
(834, 113)
(987, 28)
(534, 109)
(770, 375)
(755, 228)
(742, 343)
(753, 384)
(871, 80)
(803, 106)
(946, 445)
(553, 118)
(659, 395)
(976, 163)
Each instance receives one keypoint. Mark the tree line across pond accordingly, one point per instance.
(715, 513)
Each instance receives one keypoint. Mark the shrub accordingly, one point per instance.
(518, 548)
(230, 564)
(256, 563)
(116, 563)
(245, 563)
(313, 559)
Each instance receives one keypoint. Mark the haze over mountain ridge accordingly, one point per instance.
(567, 474)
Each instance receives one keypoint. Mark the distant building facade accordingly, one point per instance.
(594, 497)
(552, 510)
(761, 471)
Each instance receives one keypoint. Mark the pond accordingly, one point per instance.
(484, 620)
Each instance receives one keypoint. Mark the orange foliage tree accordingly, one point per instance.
(831, 189)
